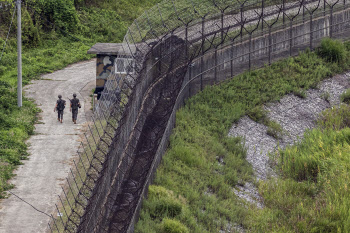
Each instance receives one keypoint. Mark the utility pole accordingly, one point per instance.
(19, 54)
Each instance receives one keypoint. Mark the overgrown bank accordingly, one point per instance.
(312, 194)
(193, 189)
(55, 33)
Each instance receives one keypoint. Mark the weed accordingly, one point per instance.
(301, 93)
(258, 114)
(173, 226)
(336, 118)
(314, 191)
(274, 129)
(332, 50)
(345, 97)
(325, 96)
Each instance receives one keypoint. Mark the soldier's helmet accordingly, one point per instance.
(59, 96)
(74, 95)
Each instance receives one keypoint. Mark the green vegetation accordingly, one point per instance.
(202, 164)
(55, 33)
(332, 50)
(313, 193)
(345, 97)
(259, 114)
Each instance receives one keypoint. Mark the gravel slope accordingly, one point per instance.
(295, 115)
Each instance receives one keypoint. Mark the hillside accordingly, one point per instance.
(55, 33)
(197, 186)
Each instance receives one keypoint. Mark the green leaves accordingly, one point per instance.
(332, 50)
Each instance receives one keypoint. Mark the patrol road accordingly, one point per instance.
(52, 149)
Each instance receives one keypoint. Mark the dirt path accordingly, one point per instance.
(51, 149)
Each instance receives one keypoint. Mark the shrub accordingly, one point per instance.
(332, 50)
(335, 118)
(301, 93)
(347, 45)
(61, 13)
(345, 97)
(164, 202)
(274, 129)
(173, 226)
(258, 114)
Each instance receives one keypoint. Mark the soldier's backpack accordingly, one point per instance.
(61, 105)
(75, 103)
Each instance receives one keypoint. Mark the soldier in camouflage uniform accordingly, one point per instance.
(60, 105)
(74, 106)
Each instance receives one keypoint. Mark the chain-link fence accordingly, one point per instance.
(181, 46)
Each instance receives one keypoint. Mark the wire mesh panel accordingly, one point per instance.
(177, 48)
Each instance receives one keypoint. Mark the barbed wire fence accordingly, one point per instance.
(178, 48)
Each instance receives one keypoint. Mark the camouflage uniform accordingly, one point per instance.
(60, 108)
(75, 106)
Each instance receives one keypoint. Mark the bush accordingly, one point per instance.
(335, 118)
(164, 202)
(332, 50)
(61, 13)
(173, 226)
(347, 45)
(345, 97)
(258, 114)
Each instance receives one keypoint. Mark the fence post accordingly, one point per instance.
(262, 15)
(241, 9)
(222, 27)
(203, 25)
(270, 42)
(215, 63)
(290, 37)
(250, 47)
(311, 34)
(283, 10)
(189, 79)
(331, 23)
(231, 60)
(303, 3)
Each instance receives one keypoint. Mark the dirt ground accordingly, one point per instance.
(52, 148)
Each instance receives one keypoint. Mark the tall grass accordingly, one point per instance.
(313, 193)
(202, 164)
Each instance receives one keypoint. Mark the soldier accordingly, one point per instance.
(74, 105)
(60, 105)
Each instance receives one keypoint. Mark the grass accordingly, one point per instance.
(202, 164)
(312, 194)
(345, 97)
(259, 114)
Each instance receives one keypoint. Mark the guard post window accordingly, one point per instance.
(124, 66)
